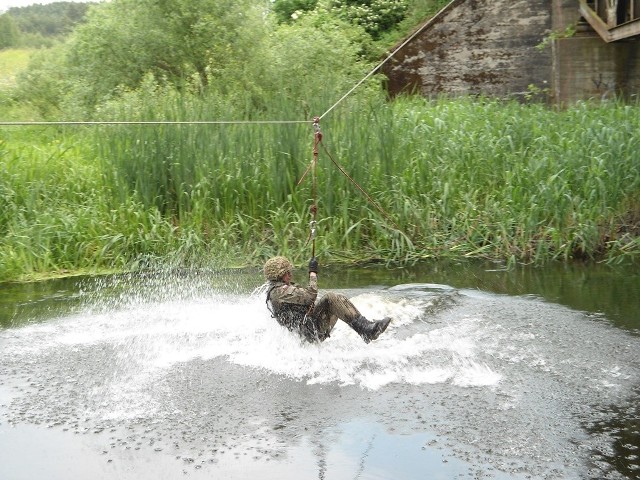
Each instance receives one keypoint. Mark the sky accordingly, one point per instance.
(7, 4)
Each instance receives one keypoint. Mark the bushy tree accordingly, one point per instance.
(176, 41)
(376, 16)
(228, 50)
(310, 63)
(316, 59)
(286, 10)
(43, 83)
(9, 33)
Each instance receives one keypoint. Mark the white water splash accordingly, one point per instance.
(147, 339)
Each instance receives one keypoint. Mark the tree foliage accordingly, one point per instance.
(315, 59)
(9, 33)
(237, 51)
(375, 16)
(49, 20)
(44, 82)
(286, 11)
(182, 42)
(226, 48)
(40, 25)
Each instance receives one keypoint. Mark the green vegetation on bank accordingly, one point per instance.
(467, 177)
(461, 178)
(12, 62)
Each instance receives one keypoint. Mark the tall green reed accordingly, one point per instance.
(459, 178)
(474, 177)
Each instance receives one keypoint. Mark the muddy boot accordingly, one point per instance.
(369, 330)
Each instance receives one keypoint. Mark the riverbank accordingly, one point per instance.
(454, 179)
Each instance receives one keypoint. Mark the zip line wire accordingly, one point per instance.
(158, 122)
(377, 67)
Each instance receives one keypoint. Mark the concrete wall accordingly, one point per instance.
(586, 67)
(477, 47)
(489, 47)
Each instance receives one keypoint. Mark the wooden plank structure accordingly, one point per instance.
(613, 20)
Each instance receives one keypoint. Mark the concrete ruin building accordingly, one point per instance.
(562, 50)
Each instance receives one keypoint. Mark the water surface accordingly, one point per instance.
(484, 373)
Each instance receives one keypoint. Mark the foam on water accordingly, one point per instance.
(150, 338)
(146, 339)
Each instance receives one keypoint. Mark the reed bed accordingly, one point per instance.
(459, 178)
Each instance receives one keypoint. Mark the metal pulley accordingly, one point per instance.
(313, 232)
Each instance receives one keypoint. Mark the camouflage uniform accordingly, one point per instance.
(295, 307)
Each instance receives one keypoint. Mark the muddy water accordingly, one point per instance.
(533, 373)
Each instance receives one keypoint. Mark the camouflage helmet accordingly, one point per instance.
(277, 267)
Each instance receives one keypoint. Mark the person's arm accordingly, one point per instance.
(313, 273)
(299, 295)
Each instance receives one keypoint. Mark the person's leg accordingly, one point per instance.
(333, 306)
(325, 315)
(336, 305)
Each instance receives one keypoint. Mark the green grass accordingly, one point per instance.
(460, 178)
(12, 62)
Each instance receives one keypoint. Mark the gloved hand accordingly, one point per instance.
(313, 265)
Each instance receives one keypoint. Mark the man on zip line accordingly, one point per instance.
(295, 307)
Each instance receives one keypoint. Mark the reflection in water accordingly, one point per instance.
(191, 373)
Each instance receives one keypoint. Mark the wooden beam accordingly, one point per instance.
(595, 21)
(626, 30)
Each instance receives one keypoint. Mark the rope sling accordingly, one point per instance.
(317, 140)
